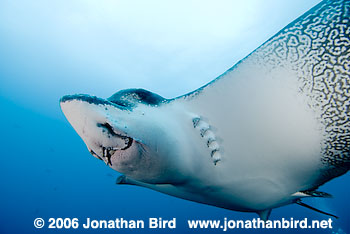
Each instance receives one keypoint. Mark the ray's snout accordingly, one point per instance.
(86, 113)
(90, 118)
(79, 109)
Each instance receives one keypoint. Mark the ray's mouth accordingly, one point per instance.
(108, 152)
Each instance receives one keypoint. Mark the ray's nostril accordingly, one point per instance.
(108, 127)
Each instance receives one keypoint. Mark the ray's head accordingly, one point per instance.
(123, 131)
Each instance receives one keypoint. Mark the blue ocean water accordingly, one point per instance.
(47, 171)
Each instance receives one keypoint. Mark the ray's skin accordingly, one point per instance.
(266, 133)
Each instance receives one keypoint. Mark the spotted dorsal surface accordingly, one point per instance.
(311, 55)
(130, 98)
(317, 48)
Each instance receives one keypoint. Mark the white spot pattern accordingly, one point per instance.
(317, 47)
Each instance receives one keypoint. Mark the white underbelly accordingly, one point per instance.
(270, 140)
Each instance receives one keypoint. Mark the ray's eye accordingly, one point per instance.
(122, 103)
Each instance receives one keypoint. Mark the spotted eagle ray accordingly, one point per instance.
(267, 133)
